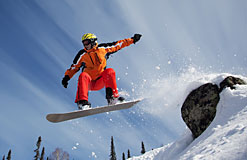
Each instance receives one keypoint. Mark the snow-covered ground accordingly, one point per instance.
(225, 138)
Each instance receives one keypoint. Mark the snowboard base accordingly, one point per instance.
(60, 117)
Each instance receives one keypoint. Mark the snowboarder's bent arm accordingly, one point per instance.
(71, 72)
(75, 67)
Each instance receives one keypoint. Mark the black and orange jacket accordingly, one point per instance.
(93, 61)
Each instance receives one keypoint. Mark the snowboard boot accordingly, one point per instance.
(83, 105)
(111, 100)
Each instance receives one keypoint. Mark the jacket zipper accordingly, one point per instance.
(91, 58)
(97, 57)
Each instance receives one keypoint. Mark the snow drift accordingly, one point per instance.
(226, 136)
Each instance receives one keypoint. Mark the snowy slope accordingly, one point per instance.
(224, 139)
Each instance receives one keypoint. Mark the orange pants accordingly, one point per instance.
(85, 83)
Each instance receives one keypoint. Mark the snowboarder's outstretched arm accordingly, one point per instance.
(115, 46)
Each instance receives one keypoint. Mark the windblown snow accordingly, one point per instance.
(225, 138)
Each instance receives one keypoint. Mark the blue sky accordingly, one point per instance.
(181, 40)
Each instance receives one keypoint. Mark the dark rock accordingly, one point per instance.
(199, 108)
(230, 82)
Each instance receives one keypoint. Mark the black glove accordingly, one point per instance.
(65, 81)
(136, 37)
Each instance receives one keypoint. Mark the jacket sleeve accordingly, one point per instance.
(77, 57)
(75, 67)
(115, 46)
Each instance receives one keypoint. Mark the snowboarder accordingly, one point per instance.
(95, 75)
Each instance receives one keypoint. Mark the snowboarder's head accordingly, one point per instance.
(89, 40)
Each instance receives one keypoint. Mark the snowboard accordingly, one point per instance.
(60, 117)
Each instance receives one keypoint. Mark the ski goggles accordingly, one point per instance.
(86, 42)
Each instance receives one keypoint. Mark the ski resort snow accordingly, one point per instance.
(225, 138)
